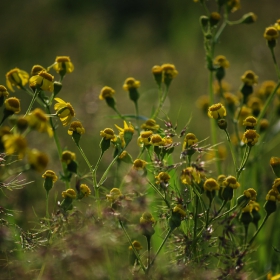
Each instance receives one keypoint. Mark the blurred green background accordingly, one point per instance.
(111, 40)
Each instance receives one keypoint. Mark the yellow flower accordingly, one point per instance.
(214, 18)
(64, 111)
(67, 157)
(231, 99)
(63, 65)
(12, 105)
(131, 83)
(69, 193)
(272, 195)
(271, 33)
(277, 24)
(150, 124)
(250, 137)
(107, 133)
(85, 190)
(231, 182)
(36, 69)
(244, 113)
(250, 122)
(139, 164)
(211, 185)
(190, 139)
(179, 209)
(157, 140)
(77, 127)
(266, 88)
(233, 5)
(255, 104)
(126, 132)
(249, 78)
(106, 92)
(248, 207)
(147, 218)
(16, 77)
(188, 174)
(221, 61)
(3, 91)
(42, 80)
(163, 177)
(145, 138)
(251, 194)
(276, 185)
(37, 160)
(50, 174)
(169, 72)
(15, 144)
(137, 246)
(114, 195)
(217, 111)
(39, 121)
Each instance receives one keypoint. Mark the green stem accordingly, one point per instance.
(149, 249)
(118, 113)
(47, 208)
(231, 150)
(159, 193)
(35, 95)
(244, 161)
(161, 102)
(275, 62)
(134, 250)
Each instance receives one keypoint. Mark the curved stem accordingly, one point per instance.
(35, 95)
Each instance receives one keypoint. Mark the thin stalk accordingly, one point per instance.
(244, 161)
(159, 193)
(47, 208)
(149, 250)
(231, 150)
(34, 97)
(161, 102)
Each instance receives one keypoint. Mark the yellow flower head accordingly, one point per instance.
(157, 69)
(251, 194)
(244, 113)
(221, 61)
(250, 137)
(77, 127)
(12, 105)
(163, 177)
(147, 218)
(249, 78)
(248, 207)
(231, 182)
(217, 111)
(233, 5)
(69, 193)
(139, 164)
(3, 91)
(126, 128)
(63, 64)
(190, 139)
(50, 174)
(273, 195)
(16, 77)
(106, 92)
(85, 190)
(276, 185)
(255, 104)
(37, 160)
(64, 111)
(157, 140)
(277, 24)
(188, 174)
(266, 88)
(214, 18)
(150, 124)
(36, 69)
(250, 121)
(137, 246)
(211, 185)
(14, 144)
(169, 73)
(39, 121)
(271, 33)
(179, 209)
(231, 99)
(67, 157)
(130, 83)
(107, 133)
(114, 195)
(144, 138)
(42, 80)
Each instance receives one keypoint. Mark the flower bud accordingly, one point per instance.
(275, 165)
(249, 18)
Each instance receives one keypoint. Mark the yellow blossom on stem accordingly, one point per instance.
(271, 33)
(68, 157)
(231, 182)
(190, 139)
(131, 83)
(12, 105)
(3, 92)
(233, 5)
(106, 92)
(188, 174)
(217, 111)
(126, 132)
(36, 69)
(250, 137)
(37, 160)
(16, 77)
(157, 140)
(50, 174)
(145, 138)
(179, 209)
(277, 24)
(276, 185)
(63, 65)
(15, 144)
(39, 121)
(139, 164)
(249, 78)
(275, 165)
(221, 61)
(250, 122)
(43, 80)
(273, 195)
(114, 195)
(147, 218)
(76, 127)
(211, 185)
(157, 72)
(64, 111)
(137, 246)
(71, 193)
(169, 73)
(150, 124)
(107, 133)
(163, 177)
(251, 194)
(85, 190)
